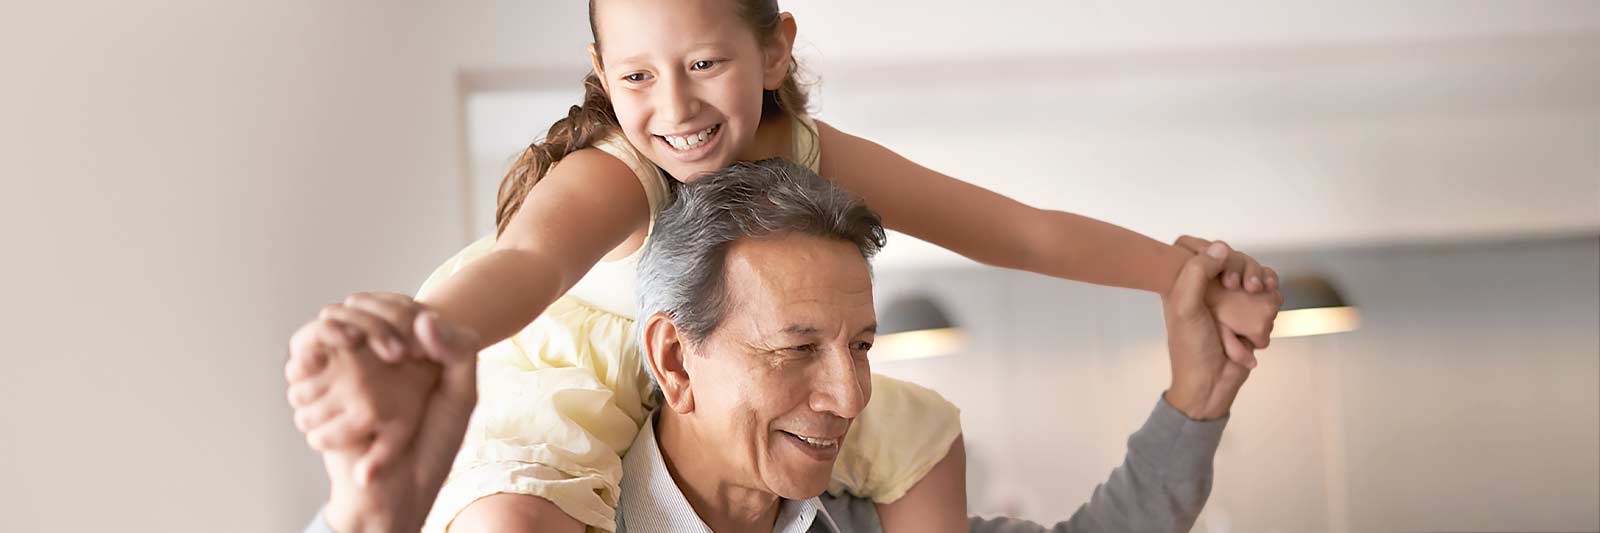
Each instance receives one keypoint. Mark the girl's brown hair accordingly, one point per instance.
(594, 118)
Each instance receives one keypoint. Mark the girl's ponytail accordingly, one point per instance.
(583, 125)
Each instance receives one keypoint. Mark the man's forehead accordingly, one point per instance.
(800, 280)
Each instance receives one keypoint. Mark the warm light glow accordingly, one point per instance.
(1315, 321)
(917, 344)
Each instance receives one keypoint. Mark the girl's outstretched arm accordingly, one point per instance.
(588, 205)
(993, 229)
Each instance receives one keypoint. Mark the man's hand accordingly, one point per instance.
(398, 496)
(1205, 380)
(340, 413)
(1244, 299)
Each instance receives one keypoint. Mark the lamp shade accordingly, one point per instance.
(1313, 306)
(915, 327)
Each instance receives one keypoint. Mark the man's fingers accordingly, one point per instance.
(304, 393)
(341, 434)
(305, 364)
(308, 348)
(1237, 348)
(1189, 291)
(1258, 336)
(1232, 267)
(1253, 280)
(385, 340)
(1238, 271)
(399, 311)
(315, 415)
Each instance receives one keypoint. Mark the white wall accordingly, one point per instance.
(1468, 401)
(185, 182)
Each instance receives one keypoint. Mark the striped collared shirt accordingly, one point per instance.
(652, 503)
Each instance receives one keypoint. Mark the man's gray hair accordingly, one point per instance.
(681, 271)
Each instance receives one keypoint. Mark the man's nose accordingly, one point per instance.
(838, 388)
(676, 101)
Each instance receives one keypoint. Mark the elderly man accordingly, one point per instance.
(758, 318)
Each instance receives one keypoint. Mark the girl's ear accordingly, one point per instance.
(594, 62)
(779, 53)
(665, 350)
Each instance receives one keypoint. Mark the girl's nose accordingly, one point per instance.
(677, 102)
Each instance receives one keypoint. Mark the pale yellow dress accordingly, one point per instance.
(560, 401)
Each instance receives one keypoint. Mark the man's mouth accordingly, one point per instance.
(819, 443)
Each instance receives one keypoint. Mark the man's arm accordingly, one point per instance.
(1165, 479)
(1162, 484)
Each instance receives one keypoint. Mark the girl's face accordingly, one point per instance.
(685, 78)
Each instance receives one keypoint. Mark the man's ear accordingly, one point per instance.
(594, 63)
(779, 53)
(665, 349)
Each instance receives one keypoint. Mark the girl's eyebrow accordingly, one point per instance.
(627, 61)
(643, 57)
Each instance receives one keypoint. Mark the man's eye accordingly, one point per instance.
(702, 64)
(863, 346)
(804, 348)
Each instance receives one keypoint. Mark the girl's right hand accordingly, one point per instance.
(338, 411)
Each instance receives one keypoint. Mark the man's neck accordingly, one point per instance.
(723, 504)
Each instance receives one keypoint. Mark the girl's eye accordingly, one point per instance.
(636, 77)
(702, 64)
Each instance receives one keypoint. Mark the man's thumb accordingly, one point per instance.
(444, 343)
(1190, 288)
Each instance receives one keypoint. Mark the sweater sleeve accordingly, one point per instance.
(1162, 484)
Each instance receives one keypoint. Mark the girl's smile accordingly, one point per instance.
(692, 146)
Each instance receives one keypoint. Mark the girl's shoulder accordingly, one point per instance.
(614, 144)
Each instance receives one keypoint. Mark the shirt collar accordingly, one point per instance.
(651, 501)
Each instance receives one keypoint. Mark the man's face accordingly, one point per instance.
(783, 376)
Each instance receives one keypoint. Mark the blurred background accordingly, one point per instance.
(185, 182)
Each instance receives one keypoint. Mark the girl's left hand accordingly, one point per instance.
(1240, 270)
(1244, 317)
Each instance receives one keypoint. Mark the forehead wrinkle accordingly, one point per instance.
(779, 288)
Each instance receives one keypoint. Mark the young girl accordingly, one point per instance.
(680, 89)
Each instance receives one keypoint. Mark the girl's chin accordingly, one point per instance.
(692, 173)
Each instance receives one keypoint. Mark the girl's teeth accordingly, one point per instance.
(690, 141)
(820, 443)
